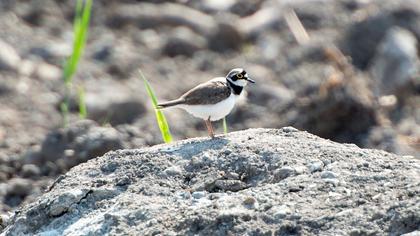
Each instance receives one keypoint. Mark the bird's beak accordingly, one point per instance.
(250, 80)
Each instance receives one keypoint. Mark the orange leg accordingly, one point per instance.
(209, 128)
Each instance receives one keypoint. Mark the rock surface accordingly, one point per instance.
(253, 182)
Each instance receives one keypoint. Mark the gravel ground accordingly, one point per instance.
(253, 182)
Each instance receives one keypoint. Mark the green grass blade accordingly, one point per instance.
(160, 117)
(82, 102)
(77, 13)
(81, 26)
(225, 128)
(80, 31)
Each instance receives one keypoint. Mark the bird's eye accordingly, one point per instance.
(240, 76)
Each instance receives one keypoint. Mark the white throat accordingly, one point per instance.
(241, 83)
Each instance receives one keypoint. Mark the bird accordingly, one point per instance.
(214, 99)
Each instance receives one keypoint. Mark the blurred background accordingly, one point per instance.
(345, 70)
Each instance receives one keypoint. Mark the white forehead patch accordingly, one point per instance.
(235, 71)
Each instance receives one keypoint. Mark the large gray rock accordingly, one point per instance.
(230, 186)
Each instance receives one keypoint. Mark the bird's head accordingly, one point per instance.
(239, 77)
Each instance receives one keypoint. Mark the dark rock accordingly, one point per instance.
(30, 171)
(16, 191)
(361, 40)
(146, 15)
(246, 8)
(300, 204)
(396, 63)
(226, 38)
(77, 143)
(183, 41)
(19, 187)
(344, 113)
(123, 107)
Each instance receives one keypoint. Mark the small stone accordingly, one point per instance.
(328, 175)
(173, 171)
(300, 169)
(283, 173)
(230, 185)
(30, 171)
(183, 41)
(109, 167)
(69, 153)
(47, 72)
(184, 195)
(232, 175)
(26, 68)
(9, 58)
(281, 211)
(396, 61)
(123, 181)
(19, 187)
(289, 129)
(316, 166)
(334, 182)
(249, 201)
(217, 5)
(198, 194)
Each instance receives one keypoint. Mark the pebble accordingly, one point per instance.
(48, 72)
(173, 171)
(335, 182)
(198, 194)
(328, 175)
(283, 173)
(316, 166)
(249, 200)
(300, 169)
(30, 171)
(282, 211)
(184, 195)
(183, 41)
(396, 61)
(19, 187)
(289, 129)
(230, 185)
(9, 58)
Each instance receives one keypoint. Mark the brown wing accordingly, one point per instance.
(208, 93)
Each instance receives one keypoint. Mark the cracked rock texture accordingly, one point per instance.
(253, 182)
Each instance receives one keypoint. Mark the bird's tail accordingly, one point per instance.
(170, 103)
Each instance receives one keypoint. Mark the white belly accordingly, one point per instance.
(214, 111)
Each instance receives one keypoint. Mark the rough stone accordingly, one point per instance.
(77, 143)
(81, 202)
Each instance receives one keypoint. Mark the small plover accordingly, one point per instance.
(214, 99)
